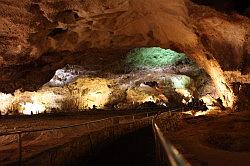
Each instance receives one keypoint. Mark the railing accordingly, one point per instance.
(166, 153)
(86, 127)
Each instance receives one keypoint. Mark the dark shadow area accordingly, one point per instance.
(133, 149)
(228, 6)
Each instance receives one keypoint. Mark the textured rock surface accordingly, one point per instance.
(38, 37)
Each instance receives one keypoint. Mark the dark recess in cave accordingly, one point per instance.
(228, 6)
(135, 148)
(56, 31)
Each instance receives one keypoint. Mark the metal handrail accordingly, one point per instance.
(69, 126)
(171, 153)
(19, 133)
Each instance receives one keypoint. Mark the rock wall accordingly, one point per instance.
(38, 37)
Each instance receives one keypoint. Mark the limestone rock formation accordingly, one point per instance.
(38, 37)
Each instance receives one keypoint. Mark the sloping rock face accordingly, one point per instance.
(226, 37)
(38, 37)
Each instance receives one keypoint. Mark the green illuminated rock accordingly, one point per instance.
(153, 57)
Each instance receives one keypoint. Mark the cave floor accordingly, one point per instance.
(214, 140)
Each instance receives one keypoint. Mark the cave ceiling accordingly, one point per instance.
(39, 37)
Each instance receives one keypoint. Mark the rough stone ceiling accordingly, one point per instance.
(38, 37)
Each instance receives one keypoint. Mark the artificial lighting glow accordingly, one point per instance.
(196, 113)
(184, 92)
(25, 102)
(184, 101)
(225, 92)
(141, 95)
(48, 99)
(91, 91)
(153, 57)
(31, 108)
(149, 99)
(180, 81)
(209, 101)
(201, 113)
(99, 99)
(74, 86)
(6, 102)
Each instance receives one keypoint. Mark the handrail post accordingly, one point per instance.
(19, 139)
